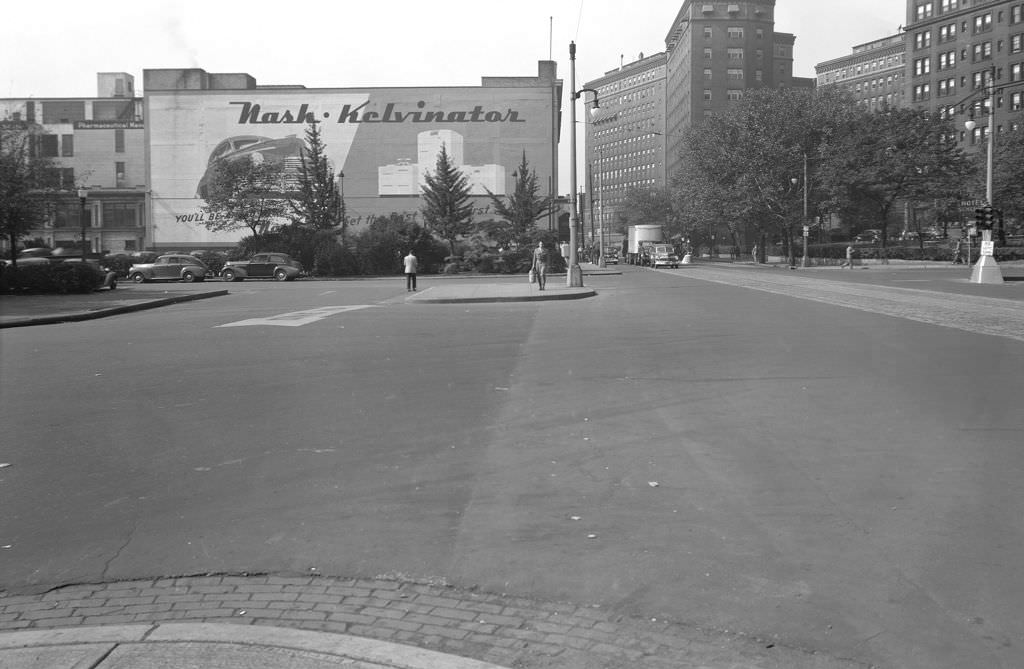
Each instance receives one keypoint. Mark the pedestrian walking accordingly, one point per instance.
(753, 252)
(958, 258)
(411, 265)
(849, 258)
(540, 264)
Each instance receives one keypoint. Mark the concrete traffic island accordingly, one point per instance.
(497, 292)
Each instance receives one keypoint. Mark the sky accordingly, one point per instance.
(343, 43)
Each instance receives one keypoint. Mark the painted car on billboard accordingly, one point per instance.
(286, 151)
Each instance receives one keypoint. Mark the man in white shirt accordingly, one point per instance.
(411, 265)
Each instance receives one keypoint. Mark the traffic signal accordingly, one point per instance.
(985, 217)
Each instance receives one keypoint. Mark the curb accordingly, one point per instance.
(71, 643)
(534, 297)
(112, 311)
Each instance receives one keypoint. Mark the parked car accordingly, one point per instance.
(611, 258)
(170, 268)
(868, 236)
(104, 277)
(279, 266)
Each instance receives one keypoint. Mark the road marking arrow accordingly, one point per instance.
(295, 319)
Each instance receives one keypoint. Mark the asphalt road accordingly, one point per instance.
(705, 445)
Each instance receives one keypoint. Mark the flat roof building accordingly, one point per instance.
(93, 143)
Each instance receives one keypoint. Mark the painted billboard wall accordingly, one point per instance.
(384, 141)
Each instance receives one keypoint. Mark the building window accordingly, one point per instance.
(922, 92)
(947, 5)
(735, 54)
(734, 74)
(758, 75)
(119, 140)
(1016, 101)
(1017, 43)
(922, 66)
(983, 23)
(707, 54)
(1017, 14)
(120, 215)
(923, 40)
(48, 146)
(947, 33)
(759, 33)
(982, 51)
(735, 32)
(980, 79)
(925, 10)
(947, 60)
(67, 146)
(1017, 72)
(708, 32)
(707, 95)
(734, 94)
(707, 74)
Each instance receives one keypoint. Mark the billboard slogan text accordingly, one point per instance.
(253, 114)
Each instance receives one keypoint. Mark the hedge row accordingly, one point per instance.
(61, 278)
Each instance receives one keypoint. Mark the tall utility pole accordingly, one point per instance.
(574, 277)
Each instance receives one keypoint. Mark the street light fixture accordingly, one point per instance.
(83, 193)
(574, 277)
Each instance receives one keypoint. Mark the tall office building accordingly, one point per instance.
(716, 51)
(625, 145)
(874, 73)
(955, 49)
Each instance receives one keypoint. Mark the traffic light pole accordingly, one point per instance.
(986, 270)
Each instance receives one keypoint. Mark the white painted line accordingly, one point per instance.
(296, 319)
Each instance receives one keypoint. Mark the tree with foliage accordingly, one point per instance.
(382, 244)
(22, 177)
(316, 202)
(447, 210)
(743, 162)
(245, 193)
(881, 159)
(521, 210)
(1008, 173)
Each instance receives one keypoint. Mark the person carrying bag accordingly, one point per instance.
(539, 269)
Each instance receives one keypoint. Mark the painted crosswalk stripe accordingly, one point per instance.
(295, 319)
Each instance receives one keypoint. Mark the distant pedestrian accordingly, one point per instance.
(849, 258)
(958, 258)
(411, 265)
(564, 248)
(753, 252)
(540, 264)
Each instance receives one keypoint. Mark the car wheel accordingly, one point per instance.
(137, 277)
(228, 275)
(188, 277)
(281, 275)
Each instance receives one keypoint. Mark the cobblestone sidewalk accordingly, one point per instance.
(503, 630)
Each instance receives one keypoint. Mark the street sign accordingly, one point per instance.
(807, 230)
(971, 204)
(988, 248)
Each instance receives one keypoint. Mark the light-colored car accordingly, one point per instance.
(663, 255)
(173, 267)
(279, 266)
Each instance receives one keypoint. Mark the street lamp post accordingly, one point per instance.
(574, 277)
(806, 226)
(986, 270)
(83, 193)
